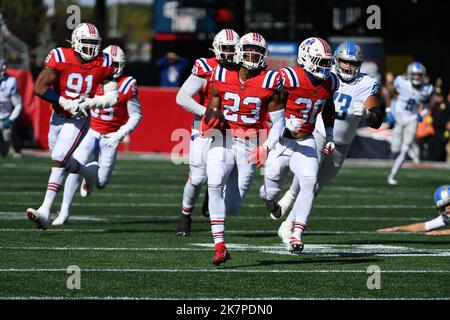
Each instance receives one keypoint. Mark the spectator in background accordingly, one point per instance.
(171, 69)
(441, 125)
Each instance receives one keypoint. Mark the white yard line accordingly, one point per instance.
(119, 270)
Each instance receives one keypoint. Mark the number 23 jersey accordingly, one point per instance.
(76, 79)
(245, 103)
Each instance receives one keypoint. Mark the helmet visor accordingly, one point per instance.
(253, 53)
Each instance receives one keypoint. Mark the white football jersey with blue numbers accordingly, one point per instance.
(409, 98)
(8, 91)
(345, 123)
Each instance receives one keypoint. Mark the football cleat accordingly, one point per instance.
(285, 231)
(41, 221)
(286, 202)
(184, 225)
(295, 245)
(391, 181)
(85, 188)
(221, 255)
(61, 219)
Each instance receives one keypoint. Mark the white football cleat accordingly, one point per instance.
(286, 202)
(61, 219)
(40, 219)
(85, 188)
(285, 231)
(391, 181)
(295, 245)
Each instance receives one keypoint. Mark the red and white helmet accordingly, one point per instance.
(86, 41)
(117, 56)
(224, 44)
(314, 55)
(252, 51)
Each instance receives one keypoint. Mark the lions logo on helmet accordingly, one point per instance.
(252, 51)
(86, 41)
(442, 196)
(347, 60)
(314, 55)
(416, 73)
(118, 56)
(224, 44)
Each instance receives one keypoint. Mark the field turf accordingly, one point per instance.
(123, 239)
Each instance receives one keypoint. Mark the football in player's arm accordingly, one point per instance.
(442, 201)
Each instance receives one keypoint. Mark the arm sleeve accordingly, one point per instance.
(16, 101)
(278, 125)
(134, 109)
(188, 90)
(434, 224)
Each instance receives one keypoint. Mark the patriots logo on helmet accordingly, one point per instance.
(310, 42)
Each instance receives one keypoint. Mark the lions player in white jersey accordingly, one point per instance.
(442, 201)
(356, 98)
(411, 92)
(10, 108)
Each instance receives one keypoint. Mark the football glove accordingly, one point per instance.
(294, 124)
(329, 142)
(72, 106)
(360, 110)
(390, 117)
(113, 139)
(7, 123)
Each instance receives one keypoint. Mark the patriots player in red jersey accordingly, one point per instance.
(244, 97)
(199, 82)
(108, 127)
(68, 82)
(307, 89)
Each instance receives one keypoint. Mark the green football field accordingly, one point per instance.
(123, 240)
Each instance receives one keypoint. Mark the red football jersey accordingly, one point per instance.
(107, 120)
(203, 67)
(305, 99)
(76, 79)
(245, 103)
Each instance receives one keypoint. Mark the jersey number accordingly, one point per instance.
(107, 114)
(342, 102)
(307, 115)
(411, 104)
(75, 85)
(231, 110)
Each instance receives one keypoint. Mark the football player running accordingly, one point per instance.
(199, 82)
(356, 98)
(10, 108)
(108, 127)
(68, 82)
(308, 91)
(442, 201)
(411, 92)
(241, 99)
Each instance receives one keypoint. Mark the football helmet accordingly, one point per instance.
(252, 51)
(416, 73)
(314, 55)
(224, 45)
(118, 56)
(2, 69)
(347, 60)
(442, 197)
(86, 41)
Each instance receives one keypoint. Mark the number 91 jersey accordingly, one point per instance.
(107, 120)
(306, 100)
(244, 103)
(76, 79)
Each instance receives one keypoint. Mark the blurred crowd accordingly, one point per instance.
(433, 132)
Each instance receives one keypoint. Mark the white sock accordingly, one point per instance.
(53, 187)
(217, 213)
(70, 188)
(190, 196)
(298, 230)
(399, 161)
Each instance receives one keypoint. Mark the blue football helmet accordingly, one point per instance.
(442, 197)
(416, 73)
